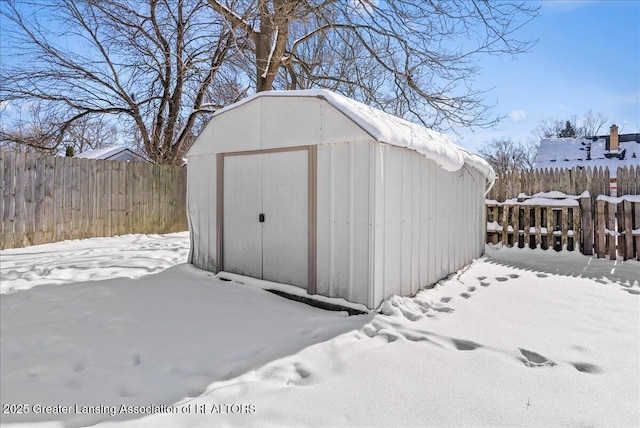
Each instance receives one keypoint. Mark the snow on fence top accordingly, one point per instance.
(389, 129)
(536, 201)
(554, 194)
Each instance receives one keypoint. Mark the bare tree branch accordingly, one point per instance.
(152, 67)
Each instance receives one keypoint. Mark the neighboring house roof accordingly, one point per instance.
(585, 152)
(389, 129)
(112, 153)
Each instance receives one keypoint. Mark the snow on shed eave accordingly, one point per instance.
(386, 128)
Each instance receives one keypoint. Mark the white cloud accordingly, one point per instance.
(517, 116)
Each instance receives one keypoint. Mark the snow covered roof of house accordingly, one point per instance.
(389, 129)
(585, 152)
(108, 153)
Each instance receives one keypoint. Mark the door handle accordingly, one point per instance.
(261, 218)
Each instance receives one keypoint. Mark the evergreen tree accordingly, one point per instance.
(569, 131)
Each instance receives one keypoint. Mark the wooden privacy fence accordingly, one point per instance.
(47, 199)
(596, 181)
(558, 221)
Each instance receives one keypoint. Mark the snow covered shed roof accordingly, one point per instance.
(381, 127)
(112, 153)
(585, 152)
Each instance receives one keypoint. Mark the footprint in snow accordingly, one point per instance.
(445, 299)
(533, 359)
(542, 275)
(123, 390)
(587, 368)
(303, 373)
(135, 359)
(502, 279)
(78, 366)
(465, 345)
(484, 284)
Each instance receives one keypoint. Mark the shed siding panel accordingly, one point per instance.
(426, 221)
(343, 217)
(324, 220)
(360, 222)
(302, 115)
(378, 214)
(416, 224)
(338, 128)
(432, 196)
(200, 216)
(239, 130)
(340, 233)
(407, 164)
(423, 226)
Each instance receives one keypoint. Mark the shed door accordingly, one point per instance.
(275, 185)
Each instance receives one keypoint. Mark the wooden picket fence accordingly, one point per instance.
(568, 223)
(48, 199)
(537, 223)
(617, 227)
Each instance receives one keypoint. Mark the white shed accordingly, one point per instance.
(316, 190)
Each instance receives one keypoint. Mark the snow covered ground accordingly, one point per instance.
(120, 332)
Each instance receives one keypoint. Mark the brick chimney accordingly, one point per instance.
(613, 141)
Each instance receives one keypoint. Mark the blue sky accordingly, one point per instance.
(587, 57)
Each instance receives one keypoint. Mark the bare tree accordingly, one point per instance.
(155, 65)
(415, 56)
(34, 128)
(90, 132)
(506, 155)
(591, 124)
(587, 125)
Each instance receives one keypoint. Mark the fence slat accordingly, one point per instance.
(19, 216)
(628, 230)
(49, 209)
(611, 226)
(8, 199)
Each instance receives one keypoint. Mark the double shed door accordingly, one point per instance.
(266, 216)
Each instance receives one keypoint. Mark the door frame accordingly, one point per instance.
(312, 184)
